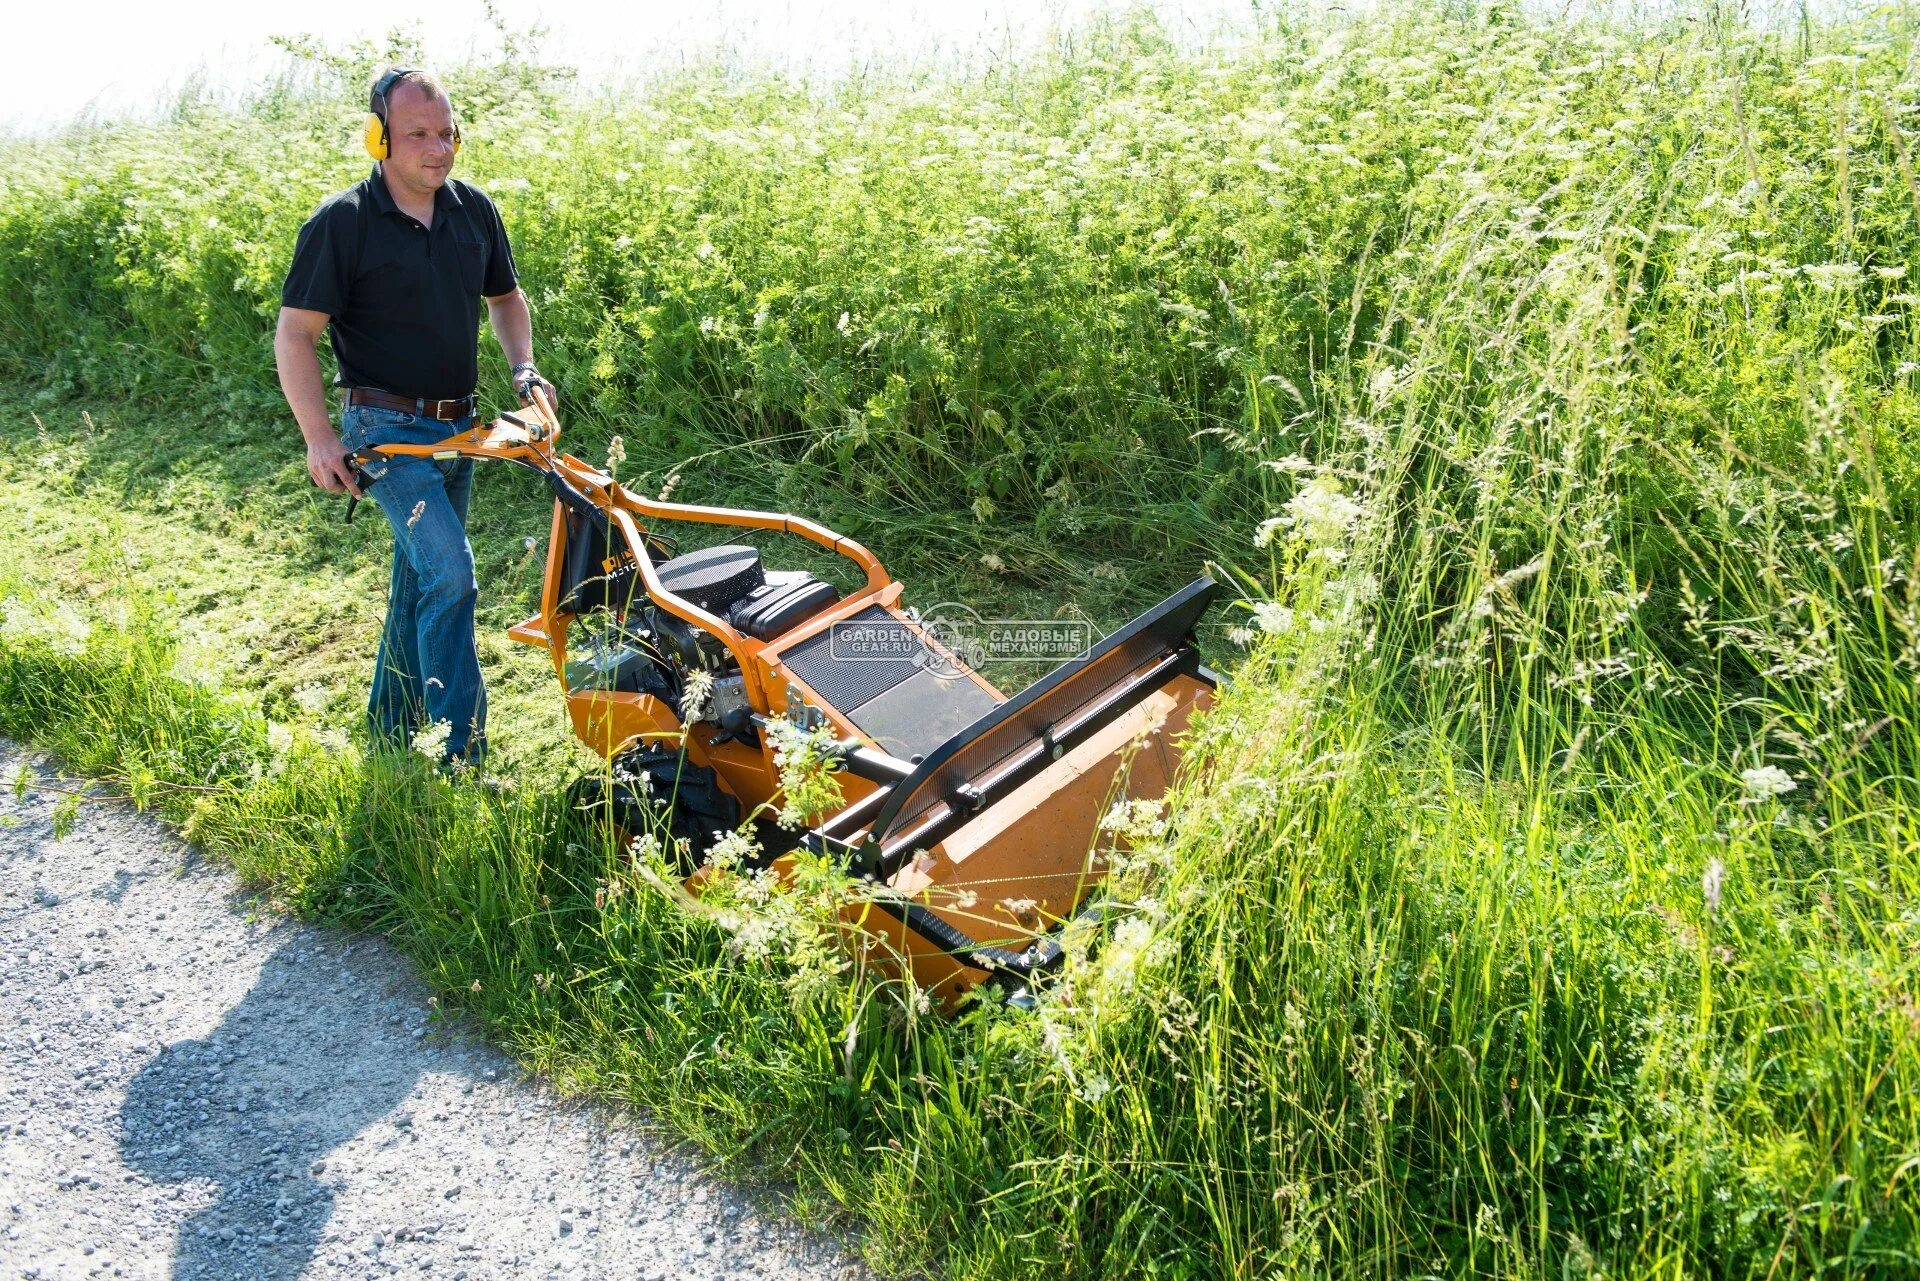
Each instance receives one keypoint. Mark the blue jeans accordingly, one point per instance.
(428, 669)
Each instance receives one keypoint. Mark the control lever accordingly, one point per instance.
(362, 479)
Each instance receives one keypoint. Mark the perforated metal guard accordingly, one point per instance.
(897, 702)
(921, 712)
(846, 683)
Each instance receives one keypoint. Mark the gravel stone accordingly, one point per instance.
(216, 1091)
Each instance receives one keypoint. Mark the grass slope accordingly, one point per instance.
(1542, 900)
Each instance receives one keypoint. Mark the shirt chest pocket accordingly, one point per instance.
(472, 256)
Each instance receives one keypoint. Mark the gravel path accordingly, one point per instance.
(191, 1089)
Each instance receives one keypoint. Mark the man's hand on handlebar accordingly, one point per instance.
(331, 468)
(526, 378)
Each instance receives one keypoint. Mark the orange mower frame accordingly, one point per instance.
(974, 816)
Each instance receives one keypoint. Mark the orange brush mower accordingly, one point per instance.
(946, 784)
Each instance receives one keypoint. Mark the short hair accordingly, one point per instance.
(427, 82)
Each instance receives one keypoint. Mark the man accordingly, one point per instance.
(395, 267)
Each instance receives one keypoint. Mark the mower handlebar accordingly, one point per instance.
(549, 419)
(529, 438)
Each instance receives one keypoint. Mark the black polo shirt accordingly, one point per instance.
(403, 300)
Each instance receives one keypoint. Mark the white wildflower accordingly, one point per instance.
(730, 849)
(753, 936)
(1272, 616)
(1320, 514)
(759, 888)
(431, 742)
(279, 747)
(1764, 782)
(694, 698)
(1832, 275)
(1138, 821)
(806, 761)
(1383, 382)
(645, 849)
(1024, 911)
(1131, 940)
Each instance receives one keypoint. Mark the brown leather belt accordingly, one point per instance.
(447, 409)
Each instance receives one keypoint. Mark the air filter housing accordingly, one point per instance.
(714, 578)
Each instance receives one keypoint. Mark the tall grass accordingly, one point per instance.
(1541, 899)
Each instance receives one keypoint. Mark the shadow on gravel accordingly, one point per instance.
(116, 889)
(298, 1067)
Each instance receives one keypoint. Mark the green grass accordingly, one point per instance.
(1575, 366)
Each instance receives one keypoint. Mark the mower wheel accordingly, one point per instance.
(658, 791)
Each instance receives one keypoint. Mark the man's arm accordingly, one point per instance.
(296, 355)
(513, 326)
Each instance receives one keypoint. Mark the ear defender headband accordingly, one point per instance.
(375, 137)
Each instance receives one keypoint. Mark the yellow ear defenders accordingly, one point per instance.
(375, 136)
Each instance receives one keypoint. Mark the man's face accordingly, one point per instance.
(419, 139)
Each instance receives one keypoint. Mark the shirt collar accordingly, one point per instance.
(377, 191)
(445, 198)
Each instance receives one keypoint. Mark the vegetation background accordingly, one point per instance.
(1542, 899)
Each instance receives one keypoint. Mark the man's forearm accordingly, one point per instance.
(513, 327)
(303, 384)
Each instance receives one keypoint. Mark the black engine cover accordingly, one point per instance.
(787, 600)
